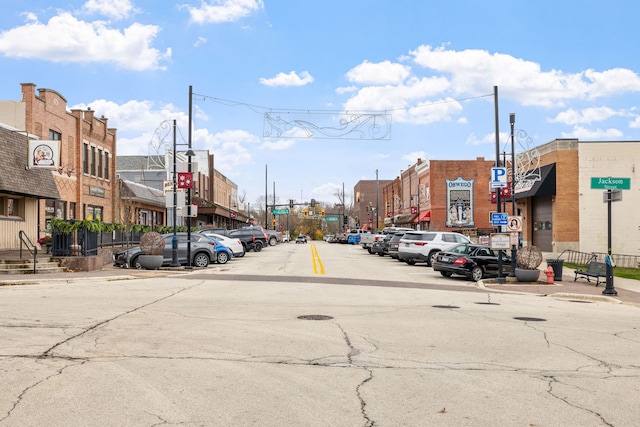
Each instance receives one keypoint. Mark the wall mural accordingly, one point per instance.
(460, 203)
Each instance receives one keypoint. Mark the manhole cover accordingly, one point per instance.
(530, 319)
(445, 306)
(315, 317)
(488, 303)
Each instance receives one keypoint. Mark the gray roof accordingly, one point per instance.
(137, 163)
(15, 178)
(141, 193)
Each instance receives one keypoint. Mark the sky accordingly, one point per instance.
(311, 96)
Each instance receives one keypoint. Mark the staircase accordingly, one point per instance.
(11, 263)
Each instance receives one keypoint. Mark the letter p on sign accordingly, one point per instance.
(498, 177)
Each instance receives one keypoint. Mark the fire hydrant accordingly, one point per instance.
(550, 274)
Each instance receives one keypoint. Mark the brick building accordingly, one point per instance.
(85, 176)
(369, 199)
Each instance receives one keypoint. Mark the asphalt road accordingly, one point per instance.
(310, 335)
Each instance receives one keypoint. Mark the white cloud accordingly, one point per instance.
(218, 11)
(114, 9)
(475, 72)
(291, 79)
(281, 144)
(635, 123)
(381, 73)
(66, 39)
(588, 116)
(200, 41)
(592, 134)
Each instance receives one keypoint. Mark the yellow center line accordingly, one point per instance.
(315, 258)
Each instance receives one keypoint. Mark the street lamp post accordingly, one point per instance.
(514, 248)
(189, 154)
(174, 239)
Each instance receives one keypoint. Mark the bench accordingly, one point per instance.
(594, 269)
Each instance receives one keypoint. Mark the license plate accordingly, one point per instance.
(445, 259)
(406, 245)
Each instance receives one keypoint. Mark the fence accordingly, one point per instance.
(583, 258)
(83, 242)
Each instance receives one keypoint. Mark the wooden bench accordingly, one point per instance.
(594, 269)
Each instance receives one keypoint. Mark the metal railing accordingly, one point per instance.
(583, 258)
(83, 242)
(26, 242)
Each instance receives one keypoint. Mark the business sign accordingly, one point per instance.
(500, 241)
(44, 154)
(611, 183)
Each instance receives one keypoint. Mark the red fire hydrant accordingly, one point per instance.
(550, 274)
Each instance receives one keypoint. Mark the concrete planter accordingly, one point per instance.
(150, 262)
(527, 275)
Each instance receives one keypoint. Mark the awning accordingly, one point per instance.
(404, 219)
(424, 217)
(545, 186)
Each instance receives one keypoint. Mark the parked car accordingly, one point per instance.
(301, 239)
(473, 261)
(234, 244)
(252, 238)
(219, 231)
(381, 246)
(203, 252)
(394, 242)
(223, 253)
(273, 237)
(423, 246)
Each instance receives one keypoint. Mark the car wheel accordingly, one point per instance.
(222, 258)
(410, 262)
(273, 240)
(369, 250)
(380, 254)
(477, 274)
(432, 258)
(258, 247)
(136, 264)
(201, 260)
(446, 273)
(242, 254)
(244, 247)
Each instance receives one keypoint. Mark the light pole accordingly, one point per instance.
(189, 154)
(174, 239)
(514, 248)
(377, 200)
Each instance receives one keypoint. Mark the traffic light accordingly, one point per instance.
(323, 212)
(305, 213)
(290, 203)
(313, 203)
(273, 222)
(345, 219)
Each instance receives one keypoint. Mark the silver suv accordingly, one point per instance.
(423, 246)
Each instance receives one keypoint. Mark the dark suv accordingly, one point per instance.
(253, 239)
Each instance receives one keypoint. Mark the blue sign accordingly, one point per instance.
(499, 218)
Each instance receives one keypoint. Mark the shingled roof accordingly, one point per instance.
(142, 193)
(15, 178)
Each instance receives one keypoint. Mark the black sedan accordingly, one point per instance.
(473, 261)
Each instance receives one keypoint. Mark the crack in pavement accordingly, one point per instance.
(551, 393)
(49, 353)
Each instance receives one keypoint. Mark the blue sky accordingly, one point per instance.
(566, 69)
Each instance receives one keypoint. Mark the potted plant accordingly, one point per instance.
(151, 246)
(528, 259)
(46, 242)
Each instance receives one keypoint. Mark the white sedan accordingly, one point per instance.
(234, 244)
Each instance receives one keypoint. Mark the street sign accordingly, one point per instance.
(499, 218)
(500, 241)
(611, 183)
(515, 223)
(612, 196)
(498, 177)
(331, 218)
(280, 211)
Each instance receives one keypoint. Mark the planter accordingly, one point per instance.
(150, 262)
(527, 275)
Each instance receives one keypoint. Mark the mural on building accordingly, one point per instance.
(460, 203)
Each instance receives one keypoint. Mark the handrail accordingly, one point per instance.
(25, 241)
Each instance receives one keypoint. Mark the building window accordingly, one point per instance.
(72, 210)
(106, 165)
(93, 160)
(99, 163)
(55, 136)
(11, 207)
(85, 158)
(94, 212)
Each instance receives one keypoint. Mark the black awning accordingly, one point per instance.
(545, 186)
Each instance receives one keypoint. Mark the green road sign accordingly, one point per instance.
(280, 211)
(609, 183)
(331, 218)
